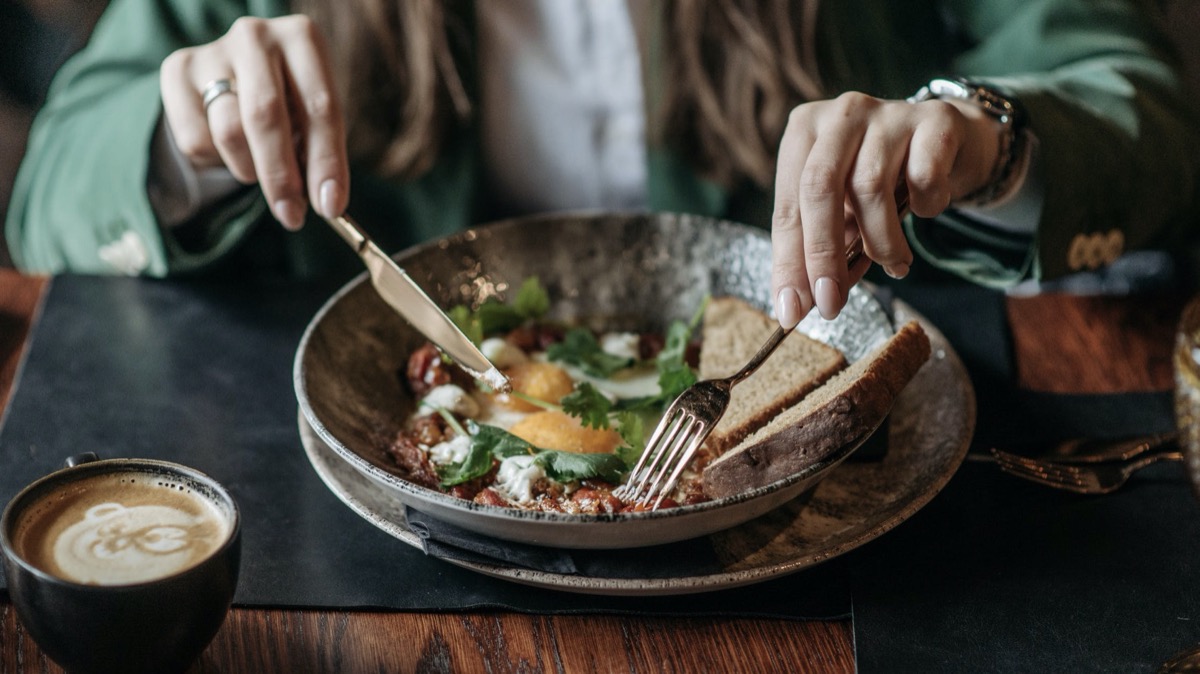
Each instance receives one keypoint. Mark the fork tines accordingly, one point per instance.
(671, 446)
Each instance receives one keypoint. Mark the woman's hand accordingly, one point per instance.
(842, 163)
(281, 127)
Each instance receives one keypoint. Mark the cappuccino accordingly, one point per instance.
(121, 528)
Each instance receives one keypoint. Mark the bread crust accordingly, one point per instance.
(846, 409)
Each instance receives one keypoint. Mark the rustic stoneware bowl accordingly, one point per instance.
(622, 271)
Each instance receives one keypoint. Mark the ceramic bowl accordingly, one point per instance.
(616, 271)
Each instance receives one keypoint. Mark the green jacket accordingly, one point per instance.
(1119, 147)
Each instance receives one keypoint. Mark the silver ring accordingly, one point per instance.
(217, 88)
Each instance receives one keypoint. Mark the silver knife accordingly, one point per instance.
(398, 289)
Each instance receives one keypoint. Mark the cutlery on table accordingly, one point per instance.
(403, 294)
(1092, 475)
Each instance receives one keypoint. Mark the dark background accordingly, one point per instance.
(36, 36)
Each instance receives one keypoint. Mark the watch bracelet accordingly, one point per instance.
(1008, 156)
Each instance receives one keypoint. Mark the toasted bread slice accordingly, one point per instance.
(733, 332)
(842, 411)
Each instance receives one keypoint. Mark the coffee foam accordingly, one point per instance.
(121, 528)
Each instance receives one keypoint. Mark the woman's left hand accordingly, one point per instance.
(841, 163)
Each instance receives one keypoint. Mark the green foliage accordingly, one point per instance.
(490, 443)
(487, 443)
(632, 427)
(589, 404)
(568, 466)
(580, 348)
(494, 317)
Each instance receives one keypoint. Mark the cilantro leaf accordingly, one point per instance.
(674, 381)
(532, 301)
(477, 464)
(568, 466)
(499, 442)
(674, 373)
(675, 345)
(580, 348)
(467, 322)
(589, 404)
(487, 443)
(632, 428)
(493, 316)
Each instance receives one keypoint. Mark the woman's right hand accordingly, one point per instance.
(282, 127)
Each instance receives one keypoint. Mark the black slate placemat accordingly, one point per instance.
(200, 373)
(1001, 575)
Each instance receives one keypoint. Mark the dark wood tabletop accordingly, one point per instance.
(1061, 344)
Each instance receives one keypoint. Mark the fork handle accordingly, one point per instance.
(764, 351)
(853, 253)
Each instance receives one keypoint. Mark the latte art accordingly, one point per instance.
(115, 544)
(121, 529)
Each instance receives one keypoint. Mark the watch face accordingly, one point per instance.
(989, 100)
(942, 87)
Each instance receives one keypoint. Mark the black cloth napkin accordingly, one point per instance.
(997, 574)
(201, 373)
(694, 557)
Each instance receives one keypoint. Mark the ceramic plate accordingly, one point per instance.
(928, 436)
(634, 271)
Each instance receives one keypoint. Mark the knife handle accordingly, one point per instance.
(350, 231)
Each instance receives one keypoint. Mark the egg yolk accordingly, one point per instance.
(556, 430)
(544, 381)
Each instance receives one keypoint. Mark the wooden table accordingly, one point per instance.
(1061, 343)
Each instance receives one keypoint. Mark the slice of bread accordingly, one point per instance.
(732, 333)
(844, 410)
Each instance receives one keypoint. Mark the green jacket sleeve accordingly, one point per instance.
(80, 200)
(1119, 146)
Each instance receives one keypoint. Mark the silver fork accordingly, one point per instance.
(683, 428)
(1084, 478)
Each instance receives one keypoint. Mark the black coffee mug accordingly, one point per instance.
(157, 625)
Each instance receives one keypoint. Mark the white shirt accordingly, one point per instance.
(562, 111)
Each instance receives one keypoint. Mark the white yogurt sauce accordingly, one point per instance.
(502, 353)
(517, 477)
(449, 397)
(454, 450)
(621, 344)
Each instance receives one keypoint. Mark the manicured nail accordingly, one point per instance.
(328, 197)
(290, 213)
(788, 308)
(829, 297)
(897, 271)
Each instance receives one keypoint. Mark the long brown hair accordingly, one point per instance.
(731, 71)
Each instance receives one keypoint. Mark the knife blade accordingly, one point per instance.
(403, 294)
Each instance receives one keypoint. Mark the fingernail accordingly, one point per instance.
(290, 213)
(328, 197)
(829, 297)
(897, 271)
(788, 308)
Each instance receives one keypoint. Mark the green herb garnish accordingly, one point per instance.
(487, 443)
(493, 316)
(580, 348)
(632, 428)
(589, 404)
(568, 466)
(492, 442)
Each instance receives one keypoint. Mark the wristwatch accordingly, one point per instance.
(1005, 110)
